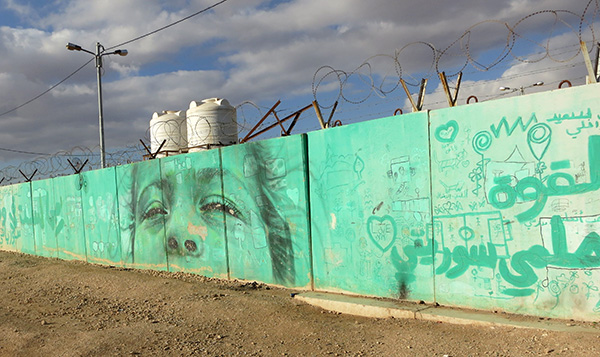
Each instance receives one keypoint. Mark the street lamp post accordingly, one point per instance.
(521, 89)
(98, 56)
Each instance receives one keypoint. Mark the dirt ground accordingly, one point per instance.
(57, 308)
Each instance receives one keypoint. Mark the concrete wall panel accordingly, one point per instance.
(516, 209)
(11, 235)
(44, 218)
(68, 224)
(492, 205)
(370, 207)
(101, 216)
(142, 212)
(23, 205)
(265, 206)
(194, 224)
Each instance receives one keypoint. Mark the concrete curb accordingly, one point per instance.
(376, 308)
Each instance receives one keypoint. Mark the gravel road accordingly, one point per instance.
(58, 308)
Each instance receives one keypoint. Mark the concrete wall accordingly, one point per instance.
(491, 205)
(495, 206)
(238, 212)
(515, 203)
(370, 207)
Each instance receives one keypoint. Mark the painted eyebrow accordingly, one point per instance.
(242, 181)
(207, 174)
(155, 184)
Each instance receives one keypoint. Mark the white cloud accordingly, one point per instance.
(124, 70)
(20, 9)
(249, 50)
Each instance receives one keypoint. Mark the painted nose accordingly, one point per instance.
(189, 247)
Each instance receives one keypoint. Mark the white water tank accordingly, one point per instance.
(168, 125)
(211, 122)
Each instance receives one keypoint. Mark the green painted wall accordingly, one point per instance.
(513, 217)
(193, 213)
(44, 218)
(370, 207)
(23, 206)
(142, 213)
(492, 205)
(68, 223)
(266, 211)
(11, 231)
(101, 216)
(174, 214)
(515, 203)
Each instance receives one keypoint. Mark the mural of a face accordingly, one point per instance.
(189, 208)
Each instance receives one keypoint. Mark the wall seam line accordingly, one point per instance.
(81, 184)
(32, 219)
(309, 213)
(54, 218)
(227, 257)
(118, 225)
(162, 197)
(431, 204)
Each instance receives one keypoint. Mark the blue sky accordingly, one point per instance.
(263, 51)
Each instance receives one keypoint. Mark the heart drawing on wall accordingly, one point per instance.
(382, 231)
(446, 133)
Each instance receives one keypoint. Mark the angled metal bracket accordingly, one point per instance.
(150, 153)
(315, 105)
(78, 171)
(451, 98)
(324, 124)
(289, 130)
(28, 179)
(416, 107)
(331, 115)
(596, 62)
(591, 77)
(251, 135)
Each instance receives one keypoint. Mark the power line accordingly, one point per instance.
(86, 63)
(119, 45)
(24, 152)
(167, 26)
(47, 90)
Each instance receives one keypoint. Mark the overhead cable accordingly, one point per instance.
(119, 45)
(47, 90)
(167, 26)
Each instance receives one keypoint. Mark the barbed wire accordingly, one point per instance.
(330, 85)
(369, 79)
(54, 165)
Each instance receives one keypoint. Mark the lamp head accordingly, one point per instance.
(121, 52)
(73, 47)
(504, 88)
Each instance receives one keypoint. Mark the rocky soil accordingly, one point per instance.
(56, 308)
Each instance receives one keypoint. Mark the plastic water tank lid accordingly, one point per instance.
(164, 112)
(218, 101)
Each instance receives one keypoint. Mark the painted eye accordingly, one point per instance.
(154, 210)
(218, 203)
